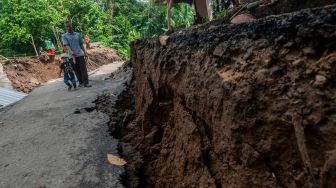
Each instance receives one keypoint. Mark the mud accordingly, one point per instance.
(249, 105)
(26, 74)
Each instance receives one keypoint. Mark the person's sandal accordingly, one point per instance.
(69, 87)
(87, 85)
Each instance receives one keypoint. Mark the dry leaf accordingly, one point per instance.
(115, 160)
(110, 93)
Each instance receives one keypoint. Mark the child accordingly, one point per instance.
(69, 75)
(43, 55)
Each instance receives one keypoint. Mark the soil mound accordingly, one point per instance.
(103, 56)
(248, 105)
(28, 73)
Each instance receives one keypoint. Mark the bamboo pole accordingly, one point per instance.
(33, 43)
(4, 57)
(59, 44)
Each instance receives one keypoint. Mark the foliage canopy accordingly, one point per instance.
(114, 22)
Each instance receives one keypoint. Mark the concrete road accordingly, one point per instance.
(52, 138)
(4, 81)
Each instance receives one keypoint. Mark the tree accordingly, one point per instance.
(21, 18)
(114, 22)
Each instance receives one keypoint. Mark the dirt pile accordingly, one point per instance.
(102, 56)
(28, 73)
(250, 105)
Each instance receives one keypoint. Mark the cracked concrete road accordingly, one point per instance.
(45, 144)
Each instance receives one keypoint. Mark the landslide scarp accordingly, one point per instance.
(249, 105)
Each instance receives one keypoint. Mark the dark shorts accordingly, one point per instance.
(69, 77)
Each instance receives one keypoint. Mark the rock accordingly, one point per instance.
(289, 44)
(309, 51)
(220, 49)
(243, 18)
(164, 40)
(34, 81)
(298, 63)
(320, 80)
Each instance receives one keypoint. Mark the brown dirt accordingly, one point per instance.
(103, 56)
(249, 105)
(28, 73)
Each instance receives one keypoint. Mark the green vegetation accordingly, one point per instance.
(114, 22)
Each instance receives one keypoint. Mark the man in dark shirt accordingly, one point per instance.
(67, 68)
(73, 42)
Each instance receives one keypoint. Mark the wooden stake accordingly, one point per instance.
(33, 43)
(59, 44)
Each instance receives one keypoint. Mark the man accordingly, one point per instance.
(73, 42)
(43, 55)
(202, 9)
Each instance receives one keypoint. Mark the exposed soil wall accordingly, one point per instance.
(250, 105)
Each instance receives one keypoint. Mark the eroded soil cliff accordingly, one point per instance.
(250, 105)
